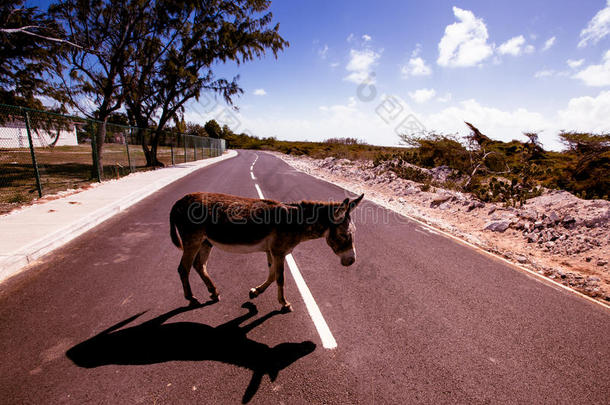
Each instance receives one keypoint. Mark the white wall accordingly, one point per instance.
(14, 135)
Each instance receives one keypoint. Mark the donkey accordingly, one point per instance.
(200, 221)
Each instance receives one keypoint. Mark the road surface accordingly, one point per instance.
(419, 318)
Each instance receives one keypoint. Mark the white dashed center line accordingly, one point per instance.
(328, 340)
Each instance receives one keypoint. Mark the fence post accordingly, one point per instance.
(96, 166)
(127, 148)
(184, 141)
(34, 162)
(171, 148)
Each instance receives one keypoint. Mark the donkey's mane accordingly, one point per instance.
(321, 211)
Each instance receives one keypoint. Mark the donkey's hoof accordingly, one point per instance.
(253, 293)
(286, 308)
(215, 297)
(193, 302)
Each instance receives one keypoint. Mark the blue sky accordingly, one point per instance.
(506, 66)
(371, 70)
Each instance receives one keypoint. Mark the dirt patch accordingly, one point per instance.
(556, 234)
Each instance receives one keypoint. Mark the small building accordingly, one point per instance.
(13, 134)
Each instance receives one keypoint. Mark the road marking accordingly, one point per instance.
(253, 163)
(252, 175)
(419, 230)
(328, 340)
(258, 189)
(426, 230)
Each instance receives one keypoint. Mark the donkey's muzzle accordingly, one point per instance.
(348, 258)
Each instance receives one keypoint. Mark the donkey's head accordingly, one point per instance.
(340, 235)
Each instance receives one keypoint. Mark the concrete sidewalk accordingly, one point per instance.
(34, 231)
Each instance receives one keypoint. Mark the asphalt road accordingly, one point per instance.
(419, 318)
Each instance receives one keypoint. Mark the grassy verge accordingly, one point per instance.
(69, 167)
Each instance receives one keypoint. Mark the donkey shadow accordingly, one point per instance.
(155, 342)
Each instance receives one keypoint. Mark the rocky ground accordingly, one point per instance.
(556, 234)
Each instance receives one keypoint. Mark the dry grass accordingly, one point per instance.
(69, 167)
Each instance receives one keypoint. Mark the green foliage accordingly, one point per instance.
(586, 171)
(213, 129)
(196, 129)
(173, 62)
(28, 54)
(584, 168)
(435, 150)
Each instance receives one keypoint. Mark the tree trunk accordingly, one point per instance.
(100, 137)
(150, 151)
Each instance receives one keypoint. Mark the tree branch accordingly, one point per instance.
(24, 30)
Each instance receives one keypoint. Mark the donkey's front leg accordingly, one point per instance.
(256, 291)
(278, 265)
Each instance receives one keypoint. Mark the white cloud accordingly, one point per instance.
(445, 99)
(545, 73)
(465, 42)
(360, 64)
(323, 52)
(575, 63)
(589, 114)
(549, 43)
(422, 95)
(334, 64)
(512, 46)
(596, 75)
(416, 67)
(366, 38)
(416, 51)
(360, 120)
(496, 123)
(598, 27)
(260, 92)
(350, 37)
(529, 49)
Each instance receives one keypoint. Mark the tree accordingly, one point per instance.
(213, 129)
(588, 171)
(30, 50)
(175, 62)
(196, 129)
(108, 31)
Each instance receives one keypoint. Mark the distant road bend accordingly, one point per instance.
(419, 318)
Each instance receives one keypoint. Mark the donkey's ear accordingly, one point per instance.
(355, 202)
(340, 211)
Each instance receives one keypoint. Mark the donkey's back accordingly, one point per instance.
(224, 219)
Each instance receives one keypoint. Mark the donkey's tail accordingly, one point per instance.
(173, 217)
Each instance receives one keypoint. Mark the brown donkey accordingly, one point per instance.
(246, 225)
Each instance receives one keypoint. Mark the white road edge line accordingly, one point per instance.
(252, 175)
(328, 340)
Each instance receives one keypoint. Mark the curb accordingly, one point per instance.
(13, 264)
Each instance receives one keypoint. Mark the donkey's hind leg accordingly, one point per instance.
(184, 268)
(201, 267)
(256, 291)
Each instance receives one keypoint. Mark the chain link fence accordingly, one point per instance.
(45, 153)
